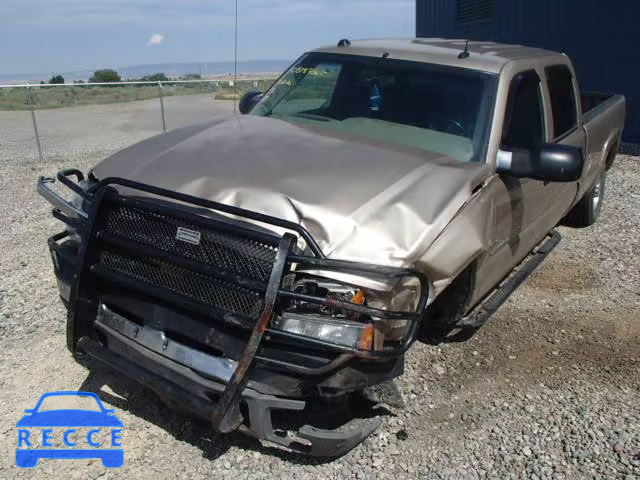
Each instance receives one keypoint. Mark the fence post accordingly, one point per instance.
(35, 123)
(161, 97)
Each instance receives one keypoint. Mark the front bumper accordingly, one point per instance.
(246, 379)
(182, 385)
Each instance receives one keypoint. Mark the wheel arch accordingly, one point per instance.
(610, 149)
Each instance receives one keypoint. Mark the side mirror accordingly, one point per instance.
(248, 101)
(550, 163)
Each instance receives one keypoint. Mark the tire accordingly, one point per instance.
(587, 210)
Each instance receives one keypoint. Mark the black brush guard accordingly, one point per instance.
(234, 272)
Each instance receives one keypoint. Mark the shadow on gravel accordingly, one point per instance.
(144, 403)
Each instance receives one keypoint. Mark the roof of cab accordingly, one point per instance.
(485, 56)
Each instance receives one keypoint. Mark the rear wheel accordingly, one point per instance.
(587, 210)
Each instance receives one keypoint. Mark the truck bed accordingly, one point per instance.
(603, 121)
(591, 101)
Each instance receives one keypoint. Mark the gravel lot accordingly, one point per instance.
(548, 389)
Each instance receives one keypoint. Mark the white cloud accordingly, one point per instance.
(155, 39)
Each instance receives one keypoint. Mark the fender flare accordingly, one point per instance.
(611, 145)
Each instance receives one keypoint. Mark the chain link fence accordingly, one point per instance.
(101, 118)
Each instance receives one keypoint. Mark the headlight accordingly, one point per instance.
(340, 332)
(344, 314)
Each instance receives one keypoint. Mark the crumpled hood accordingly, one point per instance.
(361, 200)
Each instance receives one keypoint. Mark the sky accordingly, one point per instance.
(57, 36)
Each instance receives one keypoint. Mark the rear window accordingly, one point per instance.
(563, 99)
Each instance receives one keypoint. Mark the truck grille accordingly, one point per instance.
(232, 256)
(226, 251)
(195, 286)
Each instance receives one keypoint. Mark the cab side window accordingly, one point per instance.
(524, 119)
(563, 99)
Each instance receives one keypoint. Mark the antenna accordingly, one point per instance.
(466, 53)
(235, 64)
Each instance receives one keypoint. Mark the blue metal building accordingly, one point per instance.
(601, 37)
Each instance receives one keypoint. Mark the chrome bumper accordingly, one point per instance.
(179, 375)
(155, 340)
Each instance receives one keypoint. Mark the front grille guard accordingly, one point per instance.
(226, 415)
(316, 259)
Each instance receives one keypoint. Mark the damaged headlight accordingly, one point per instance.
(346, 315)
(340, 332)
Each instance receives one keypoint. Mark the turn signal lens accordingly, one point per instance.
(340, 332)
(358, 297)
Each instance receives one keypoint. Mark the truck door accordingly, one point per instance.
(564, 129)
(520, 203)
(527, 211)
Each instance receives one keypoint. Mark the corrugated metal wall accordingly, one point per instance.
(601, 37)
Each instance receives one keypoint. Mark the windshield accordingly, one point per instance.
(432, 107)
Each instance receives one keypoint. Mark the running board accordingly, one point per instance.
(481, 314)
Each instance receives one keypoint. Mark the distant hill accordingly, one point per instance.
(206, 68)
(169, 69)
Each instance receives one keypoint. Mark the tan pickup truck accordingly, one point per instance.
(268, 271)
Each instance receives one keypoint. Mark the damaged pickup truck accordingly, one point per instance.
(261, 270)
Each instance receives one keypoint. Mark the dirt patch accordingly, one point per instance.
(565, 276)
(546, 346)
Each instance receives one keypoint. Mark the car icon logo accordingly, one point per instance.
(48, 431)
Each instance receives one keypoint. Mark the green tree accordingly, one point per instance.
(105, 76)
(156, 77)
(56, 79)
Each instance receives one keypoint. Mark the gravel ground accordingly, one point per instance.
(548, 389)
